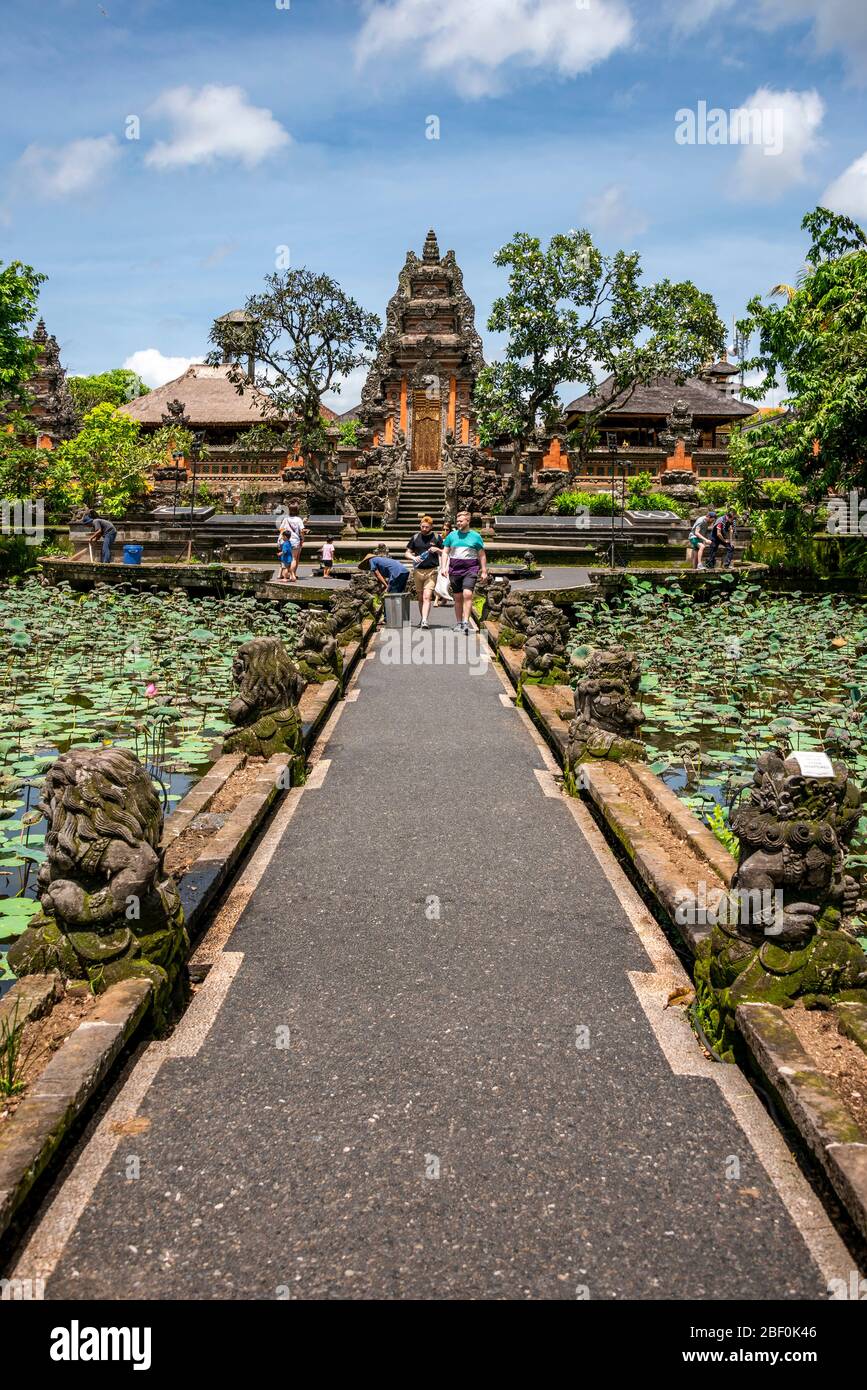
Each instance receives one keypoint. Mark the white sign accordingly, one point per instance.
(812, 764)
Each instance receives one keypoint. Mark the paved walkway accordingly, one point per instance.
(379, 1090)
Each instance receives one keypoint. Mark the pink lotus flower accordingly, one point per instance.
(150, 690)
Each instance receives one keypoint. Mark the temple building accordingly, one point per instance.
(420, 386)
(638, 424)
(50, 407)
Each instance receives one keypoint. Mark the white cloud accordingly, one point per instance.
(350, 392)
(64, 170)
(848, 193)
(471, 43)
(790, 121)
(611, 214)
(155, 369)
(686, 18)
(837, 24)
(212, 123)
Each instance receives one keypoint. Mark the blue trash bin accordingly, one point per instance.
(132, 554)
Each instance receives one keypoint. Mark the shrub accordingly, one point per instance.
(716, 492)
(597, 503)
(641, 497)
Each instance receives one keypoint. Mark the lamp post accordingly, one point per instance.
(177, 456)
(198, 440)
(613, 450)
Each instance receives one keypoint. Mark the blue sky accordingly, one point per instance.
(264, 125)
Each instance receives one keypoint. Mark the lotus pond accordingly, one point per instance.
(114, 666)
(729, 672)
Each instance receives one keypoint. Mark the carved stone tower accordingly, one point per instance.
(429, 356)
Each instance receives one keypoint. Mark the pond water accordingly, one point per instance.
(725, 678)
(114, 666)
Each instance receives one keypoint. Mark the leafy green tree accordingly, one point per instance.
(107, 460)
(305, 334)
(19, 293)
(30, 474)
(574, 315)
(816, 342)
(115, 387)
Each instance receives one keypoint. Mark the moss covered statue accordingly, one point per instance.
(265, 709)
(608, 720)
(785, 935)
(109, 911)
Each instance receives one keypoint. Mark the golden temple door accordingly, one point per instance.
(426, 433)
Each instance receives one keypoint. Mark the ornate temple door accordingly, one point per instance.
(426, 433)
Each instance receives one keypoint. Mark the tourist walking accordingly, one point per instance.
(424, 550)
(392, 574)
(699, 539)
(293, 526)
(722, 536)
(103, 529)
(464, 562)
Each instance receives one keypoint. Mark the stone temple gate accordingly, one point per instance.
(419, 389)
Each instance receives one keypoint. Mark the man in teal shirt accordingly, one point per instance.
(465, 563)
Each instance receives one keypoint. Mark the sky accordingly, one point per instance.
(160, 157)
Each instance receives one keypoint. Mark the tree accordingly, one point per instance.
(28, 473)
(305, 335)
(817, 343)
(571, 313)
(19, 293)
(107, 459)
(115, 387)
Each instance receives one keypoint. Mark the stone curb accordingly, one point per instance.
(852, 1021)
(811, 1103)
(688, 827)
(652, 863)
(203, 880)
(28, 999)
(199, 797)
(31, 1138)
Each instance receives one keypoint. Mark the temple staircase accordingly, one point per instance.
(420, 494)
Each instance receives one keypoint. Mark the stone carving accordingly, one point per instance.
(545, 655)
(317, 654)
(265, 710)
(780, 934)
(175, 414)
(109, 911)
(679, 426)
(516, 611)
(608, 720)
(496, 592)
(349, 607)
(471, 481)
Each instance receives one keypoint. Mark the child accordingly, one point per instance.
(327, 556)
(286, 554)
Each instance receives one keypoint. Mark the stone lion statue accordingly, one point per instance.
(545, 656)
(608, 720)
(784, 935)
(317, 654)
(108, 909)
(265, 710)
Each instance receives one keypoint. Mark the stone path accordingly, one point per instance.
(382, 1089)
